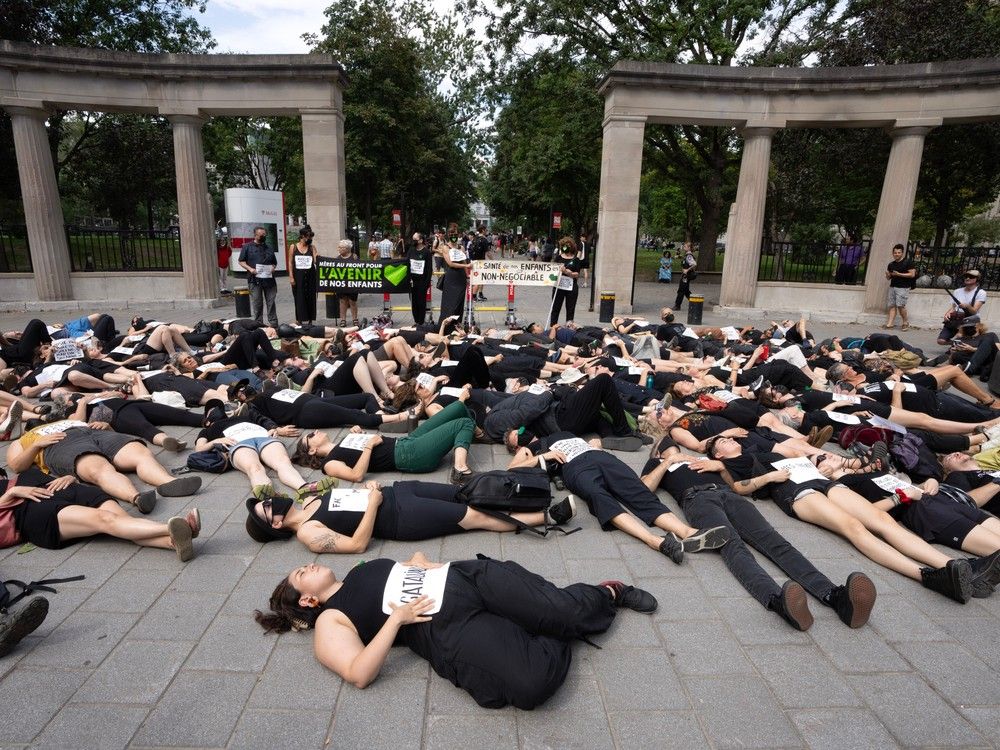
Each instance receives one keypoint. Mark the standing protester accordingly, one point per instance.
(223, 253)
(583, 255)
(478, 249)
(454, 281)
(345, 250)
(384, 247)
(421, 269)
(849, 258)
(259, 261)
(301, 263)
(688, 274)
(901, 274)
(568, 288)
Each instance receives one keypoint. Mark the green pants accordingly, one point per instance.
(422, 450)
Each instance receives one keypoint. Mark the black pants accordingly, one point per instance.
(607, 484)
(579, 412)
(143, 418)
(986, 351)
(104, 328)
(251, 349)
(879, 342)
(683, 290)
(708, 508)
(418, 301)
(470, 370)
(961, 410)
(336, 412)
(846, 274)
(503, 632)
(22, 351)
(561, 296)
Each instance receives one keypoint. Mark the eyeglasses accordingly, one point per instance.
(266, 506)
(972, 276)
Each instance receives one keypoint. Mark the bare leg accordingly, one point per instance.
(76, 521)
(82, 380)
(461, 459)
(96, 469)
(475, 520)
(983, 539)
(247, 461)
(276, 457)
(138, 458)
(952, 375)
(377, 376)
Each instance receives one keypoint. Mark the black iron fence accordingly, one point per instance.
(96, 249)
(817, 262)
(943, 267)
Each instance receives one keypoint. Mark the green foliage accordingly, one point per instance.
(980, 230)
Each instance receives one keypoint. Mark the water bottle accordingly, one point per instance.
(649, 380)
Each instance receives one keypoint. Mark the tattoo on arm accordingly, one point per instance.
(746, 483)
(325, 542)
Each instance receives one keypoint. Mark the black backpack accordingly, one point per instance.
(215, 460)
(503, 491)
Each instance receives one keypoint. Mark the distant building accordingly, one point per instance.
(481, 215)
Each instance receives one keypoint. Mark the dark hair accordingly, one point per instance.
(900, 246)
(305, 229)
(710, 446)
(258, 227)
(303, 457)
(406, 393)
(259, 529)
(286, 612)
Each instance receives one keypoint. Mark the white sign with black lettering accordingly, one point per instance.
(725, 396)
(449, 363)
(244, 431)
(264, 272)
(126, 350)
(890, 484)
(538, 388)
(409, 582)
(369, 334)
(134, 338)
(512, 347)
(303, 262)
(876, 421)
(425, 380)
(565, 283)
(417, 266)
(571, 447)
(908, 387)
(211, 367)
(150, 373)
(51, 374)
(730, 333)
(288, 395)
(61, 426)
(622, 362)
(457, 256)
(449, 391)
(65, 349)
(688, 333)
(356, 441)
(633, 370)
(326, 369)
(676, 465)
(843, 418)
(355, 500)
(799, 469)
(843, 398)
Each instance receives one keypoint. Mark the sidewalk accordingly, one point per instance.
(148, 652)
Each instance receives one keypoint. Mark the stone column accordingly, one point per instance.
(323, 162)
(42, 209)
(197, 237)
(739, 274)
(895, 210)
(618, 210)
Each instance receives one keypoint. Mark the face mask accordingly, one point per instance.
(308, 240)
(259, 240)
(525, 437)
(280, 506)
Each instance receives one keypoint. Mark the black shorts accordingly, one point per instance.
(939, 519)
(61, 457)
(38, 522)
(785, 494)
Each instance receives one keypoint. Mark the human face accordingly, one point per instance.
(188, 362)
(958, 461)
(315, 440)
(726, 447)
(312, 580)
(971, 280)
(683, 388)
(897, 253)
(260, 235)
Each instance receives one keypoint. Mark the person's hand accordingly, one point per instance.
(735, 432)
(372, 484)
(931, 486)
(374, 440)
(100, 426)
(288, 431)
(356, 429)
(412, 612)
(35, 494)
(60, 484)
(291, 279)
(778, 475)
(375, 496)
(44, 441)
(899, 387)
(224, 442)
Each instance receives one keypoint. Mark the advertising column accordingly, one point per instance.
(247, 208)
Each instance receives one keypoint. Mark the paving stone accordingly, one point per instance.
(178, 616)
(635, 680)
(189, 714)
(252, 592)
(680, 599)
(543, 728)
(294, 679)
(978, 635)
(912, 712)
(495, 731)
(751, 624)
(31, 697)
(740, 713)
(211, 573)
(658, 729)
(986, 720)
(467, 546)
(703, 648)
(90, 726)
(135, 672)
(83, 639)
(959, 676)
(801, 677)
(129, 591)
(898, 620)
(842, 729)
(860, 650)
(259, 728)
(235, 644)
(395, 707)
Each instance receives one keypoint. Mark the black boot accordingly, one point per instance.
(954, 580)
(793, 606)
(854, 600)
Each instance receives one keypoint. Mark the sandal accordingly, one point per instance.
(905, 327)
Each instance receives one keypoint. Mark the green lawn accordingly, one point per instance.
(647, 264)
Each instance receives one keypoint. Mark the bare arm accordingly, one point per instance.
(318, 538)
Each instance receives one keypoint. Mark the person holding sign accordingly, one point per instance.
(494, 629)
(802, 492)
(258, 260)
(455, 280)
(345, 521)
(567, 288)
(300, 260)
(420, 258)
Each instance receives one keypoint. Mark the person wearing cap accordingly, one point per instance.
(967, 300)
(335, 521)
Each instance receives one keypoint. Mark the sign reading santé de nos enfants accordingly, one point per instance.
(363, 276)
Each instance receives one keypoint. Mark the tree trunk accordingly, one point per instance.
(711, 204)
(149, 214)
(940, 228)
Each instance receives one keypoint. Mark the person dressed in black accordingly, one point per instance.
(707, 501)
(492, 628)
(901, 274)
(301, 264)
(420, 258)
(478, 249)
(453, 283)
(568, 287)
(686, 277)
(259, 261)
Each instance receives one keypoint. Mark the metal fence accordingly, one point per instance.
(943, 267)
(14, 254)
(92, 249)
(816, 262)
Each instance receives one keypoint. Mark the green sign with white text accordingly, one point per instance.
(363, 276)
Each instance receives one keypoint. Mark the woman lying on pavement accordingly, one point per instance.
(52, 513)
(813, 498)
(614, 493)
(420, 452)
(287, 406)
(707, 500)
(74, 449)
(138, 417)
(492, 628)
(347, 520)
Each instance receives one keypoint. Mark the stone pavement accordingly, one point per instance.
(149, 652)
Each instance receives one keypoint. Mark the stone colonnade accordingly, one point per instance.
(906, 100)
(187, 90)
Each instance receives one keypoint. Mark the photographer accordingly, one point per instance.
(259, 261)
(968, 299)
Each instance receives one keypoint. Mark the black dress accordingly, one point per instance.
(453, 293)
(304, 291)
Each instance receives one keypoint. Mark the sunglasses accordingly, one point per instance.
(971, 276)
(266, 506)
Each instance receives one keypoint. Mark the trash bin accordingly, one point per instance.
(695, 306)
(607, 310)
(242, 303)
(332, 306)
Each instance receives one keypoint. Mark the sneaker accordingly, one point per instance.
(563, 511)
(671, 547)
(954, 580)
(629, 597)
(180, 537)
(181, 487)
(174, 445)
(704, 539)
(793, 606)
(193, 518)
(282, 380)
(10, 427)
(145, 501)
(854, 600)
(622, 443)
(985, 574)
(822, 437)
(15, 626)
(459, 477)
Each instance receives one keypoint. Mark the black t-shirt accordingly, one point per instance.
(421, 280)
(217, 430)
(383, 456)
(704, 426)
(969, 480)
(681, 478)
(668, 331)
(478, 248)
(901, 266)
(258, 255)
(921, 400)
(283, 412)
